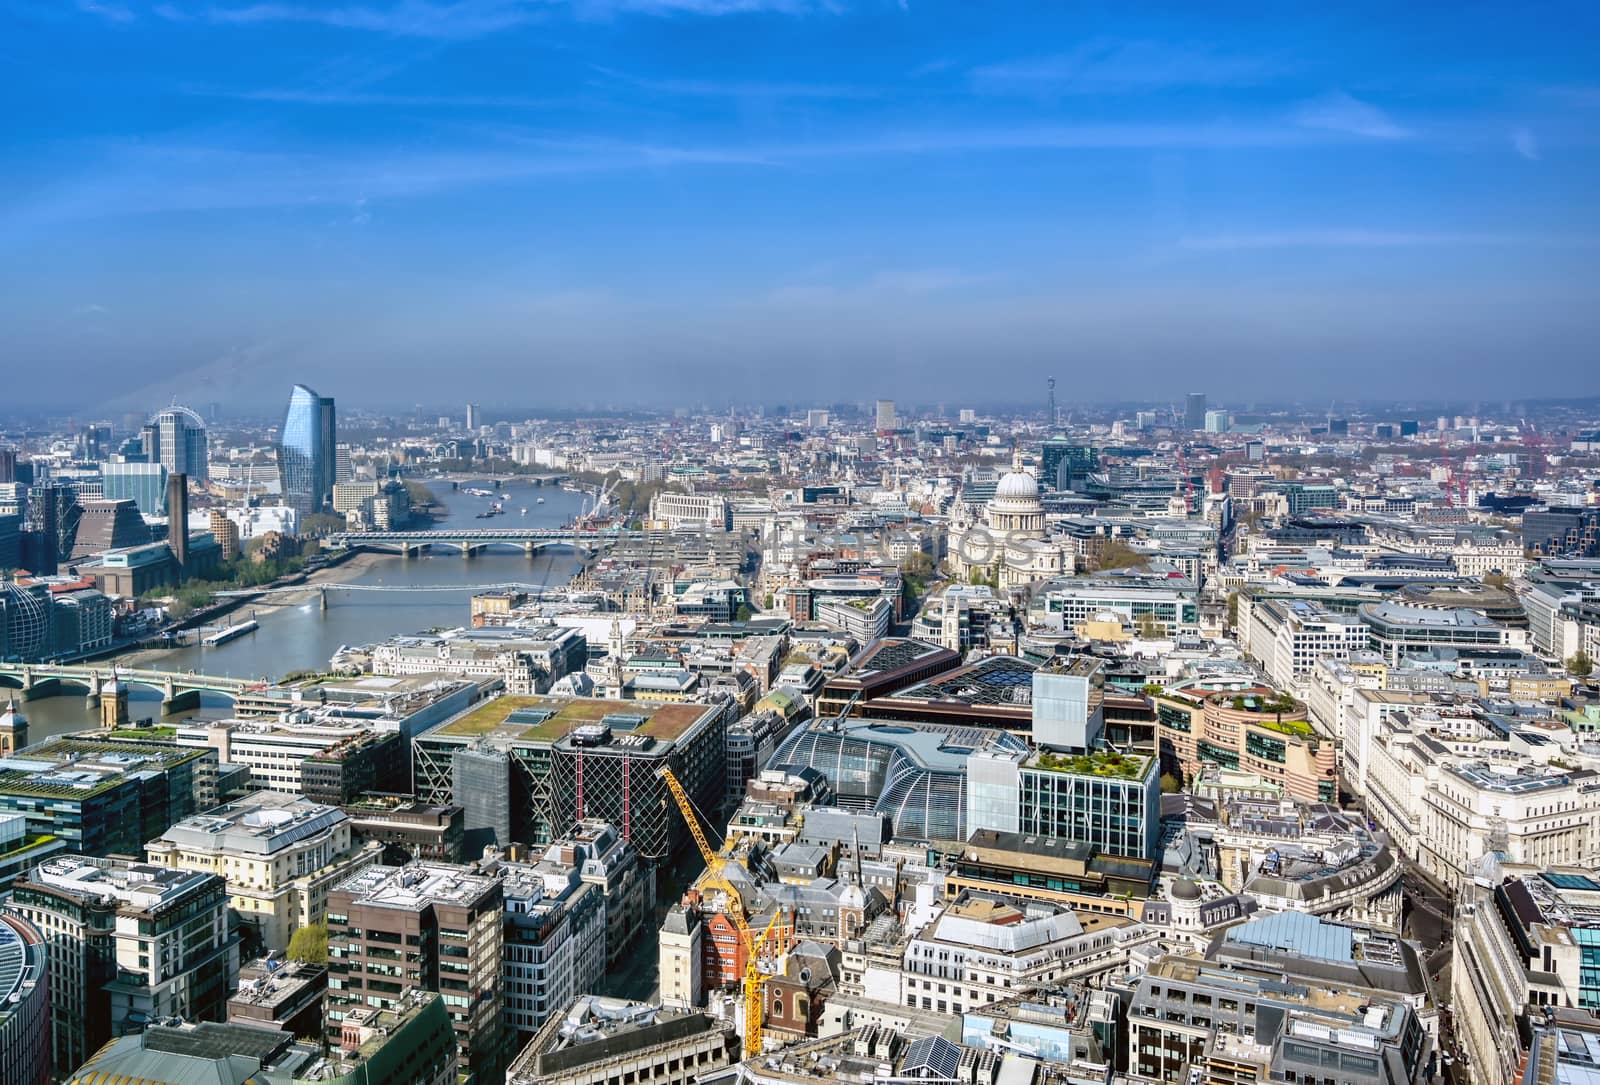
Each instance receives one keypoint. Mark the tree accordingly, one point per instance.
(744, 613)
(1149, 628)
(1233, 610)
(1116, 554)
(309, 944)
(1496, 580)
(1170, 784)
(1580, 664)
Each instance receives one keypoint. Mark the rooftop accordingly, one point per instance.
(546, 719)
(263, 822)
(416, 885)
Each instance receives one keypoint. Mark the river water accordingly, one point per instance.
(297, 634)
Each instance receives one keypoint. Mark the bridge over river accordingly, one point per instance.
(471, 540)
(180, 691)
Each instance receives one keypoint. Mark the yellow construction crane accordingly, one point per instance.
(716, 878)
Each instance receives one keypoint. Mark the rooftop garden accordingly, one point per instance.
(134, 734)
(27, 843)
(664, 721)
(1277, 704)
(1298, 728)
(1107, 763)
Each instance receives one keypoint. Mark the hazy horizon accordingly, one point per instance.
(647, 201)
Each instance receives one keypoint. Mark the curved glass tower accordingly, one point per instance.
(302, 464)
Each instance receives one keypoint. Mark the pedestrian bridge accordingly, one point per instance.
(179, 690)
(471, 540)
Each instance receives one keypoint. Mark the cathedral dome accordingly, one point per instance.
(1017, 486)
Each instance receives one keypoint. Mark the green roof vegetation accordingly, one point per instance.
(665, 722)
(1108, 763)
(134, 734)
(28, 844)
(1298, 728)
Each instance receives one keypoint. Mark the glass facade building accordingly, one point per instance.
(306, 451)
(179, 438)
(145, 484)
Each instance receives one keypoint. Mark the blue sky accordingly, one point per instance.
(619, 200)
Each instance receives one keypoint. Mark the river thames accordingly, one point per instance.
(297, 634)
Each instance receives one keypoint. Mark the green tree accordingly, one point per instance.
(1116, 554)
(1149, 628)
(1233, 610)
(1580, 664)
(1496, 580)
(309, 944)
(1170, 784)
(744, 613)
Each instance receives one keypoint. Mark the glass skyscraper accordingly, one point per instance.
(306, 450)
(144, 483)
(176, 439)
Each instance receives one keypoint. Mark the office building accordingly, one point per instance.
(327, 759)
(1398, 630)
(145, 484)
(1109, 801)
(25, 613)
(408, 829)
(528, 660)
(1171, 603)
(555, 942)
(1290, 636)
(1231, 1026)
(176, 439)
(24, 1003)
(600, 1041)
(280, 854)
(700, 512)
(887, 422)
(129, 943)
(1194, 411)
(8, 465)
(1218, 421)
(1251, 729)
(306, 453)
(566, 759)
(1064, 465)
(104, 797)
(428, 926)
(474, 418)
(278, 993)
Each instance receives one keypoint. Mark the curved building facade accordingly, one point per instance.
(306, 450)
(24, 1003)
(915, 774)
(179, 436)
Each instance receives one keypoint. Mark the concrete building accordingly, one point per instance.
(278, 993)
(131, 943)
(602, 1041)
(528, 661)
(1290, 636)
(279, 854)
(1230, 1027)
(701, 512)
(1398, 630)
(1255, 731)
(426, 926)
(300, 753)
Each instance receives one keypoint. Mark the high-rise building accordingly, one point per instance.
(306, 451)
(342, 471)
(178, 436)
(226, 532)
(145, 484)
(8, 465)
(433, 926)
(886, 418)
(1194, 413)
(474, 418)
(1218, 421)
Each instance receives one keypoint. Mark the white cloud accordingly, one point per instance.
(1340, 112)
(1523, 142)
(1344, 237)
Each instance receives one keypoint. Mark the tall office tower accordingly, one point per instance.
(305, 464)
(433, 926)
(328, 438)
(342, 470)
(178, 520)
(8, 465)
(179, 438)
(473, 418)
(1194, 414)
(226, 532)
(886, 419)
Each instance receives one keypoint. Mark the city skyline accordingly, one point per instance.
(675, 198)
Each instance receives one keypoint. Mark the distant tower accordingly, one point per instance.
(114, 703)
(13, 730)
(178, 520)
(473, 419)
(1050, 383)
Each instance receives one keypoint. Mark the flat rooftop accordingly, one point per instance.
(416, 885)
(546, 719)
